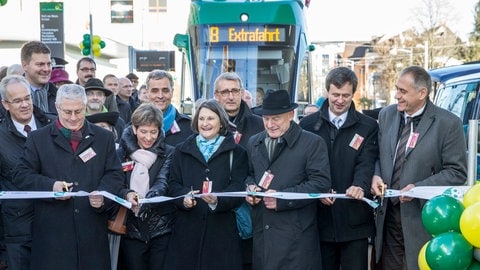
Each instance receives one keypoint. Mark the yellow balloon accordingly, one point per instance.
(96, 39)
(470, 224)
(97, 53)
(422, 260)
(81, 45)
(96, 48)
(471, 196)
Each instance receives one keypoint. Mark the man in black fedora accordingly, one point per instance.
(285, 158)
(96, 96)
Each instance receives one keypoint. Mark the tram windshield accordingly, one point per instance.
(262, 55)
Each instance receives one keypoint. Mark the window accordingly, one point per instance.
(157, 5)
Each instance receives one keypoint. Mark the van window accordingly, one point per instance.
(458, 99)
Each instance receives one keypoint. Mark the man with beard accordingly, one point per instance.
(86, 69)
(37, 64)
(96, 95)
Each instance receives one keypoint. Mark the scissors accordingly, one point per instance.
(65, 187)
(192, 195)
(382, 194)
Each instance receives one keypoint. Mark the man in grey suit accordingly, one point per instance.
(434, 155)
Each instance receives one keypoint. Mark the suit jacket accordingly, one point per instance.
(346, 220)
(438, 159)
(69, 234)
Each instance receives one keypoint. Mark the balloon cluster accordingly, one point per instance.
(89, 44)
(455, 228)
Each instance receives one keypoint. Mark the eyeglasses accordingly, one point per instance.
(19, 101)
(95, 94)
(226, 92)
(85, 69)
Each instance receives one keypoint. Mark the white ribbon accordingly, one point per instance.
(421, 192)
(6, 195)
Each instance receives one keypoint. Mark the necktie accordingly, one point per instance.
(400, 157)
(337, 121)
(27, 129)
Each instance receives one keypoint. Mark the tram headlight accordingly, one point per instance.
(244, 17)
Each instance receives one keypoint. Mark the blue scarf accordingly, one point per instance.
(208, 147)
(168, 118)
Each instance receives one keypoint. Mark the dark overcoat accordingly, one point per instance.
(204, 238)
(438, 159)
(287, 238)
(247, 123)
(17, 214)
(347, 220)
(69, 234)
(176, 137)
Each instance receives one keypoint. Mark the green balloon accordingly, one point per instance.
(86, 51)
(442, 214)
(86, 43)
(475, 265)
(449, 251)
(3, 2)
(86, 36)
(102, 44)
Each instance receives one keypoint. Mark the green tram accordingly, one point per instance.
(263, 41)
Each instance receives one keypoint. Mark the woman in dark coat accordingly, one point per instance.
(148, 228)
(205, 235)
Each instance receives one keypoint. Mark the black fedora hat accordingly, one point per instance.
(108, 117)
(276, 102)
(96, 84)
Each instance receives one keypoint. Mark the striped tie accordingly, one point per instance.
(337, 121)
(400, 157)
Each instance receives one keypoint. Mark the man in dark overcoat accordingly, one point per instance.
(21, 115)
(345, 225)
(228, 92)
(285, 158)
(70, 154)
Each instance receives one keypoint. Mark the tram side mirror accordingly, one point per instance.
(181, 41)
(187, 106)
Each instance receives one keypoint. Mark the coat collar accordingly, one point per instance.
(426, 121)
(88, 131)
(190, 147)
(130, 144)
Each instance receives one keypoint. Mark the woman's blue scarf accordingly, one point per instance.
(168, 118)
(208, 147)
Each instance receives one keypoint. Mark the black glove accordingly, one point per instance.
(144, 211)
(152, 193)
